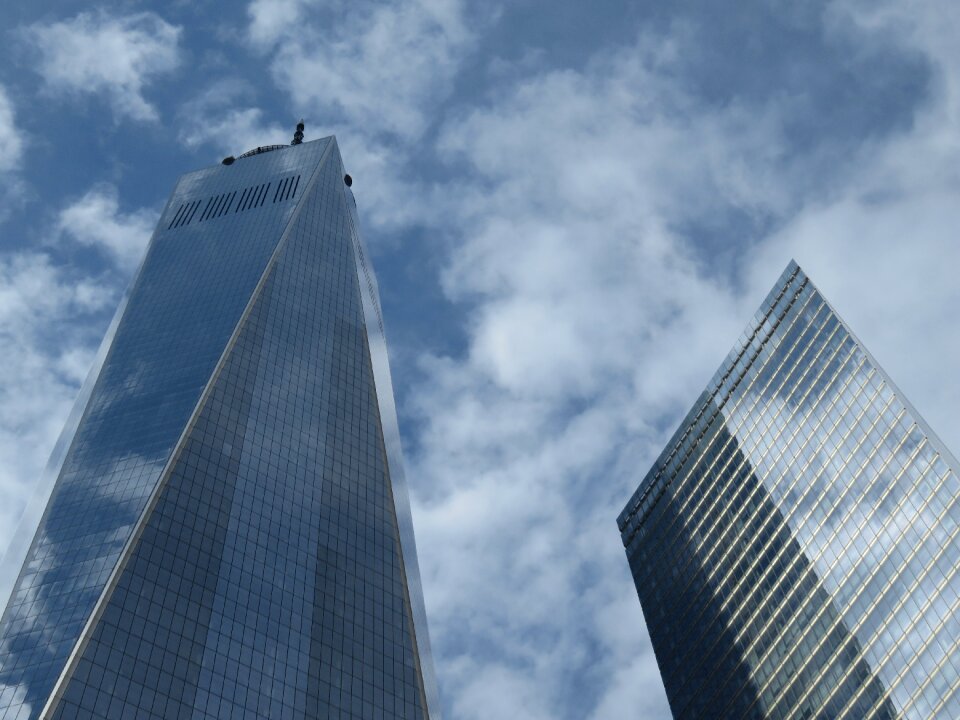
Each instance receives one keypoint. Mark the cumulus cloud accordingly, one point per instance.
(12, 146)
(11, 138)
(95, 220)
(221, 118)
(882, 247)
(377, 66)
(595, 317)
(117, 57)
(270, 20)
(373, 73)
(235, 131)
(591, 321)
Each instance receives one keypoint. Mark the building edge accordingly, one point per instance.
(649, 484)
(918, 418)
(379, 360)
(66, 674)
(681, 436)
(13, 562)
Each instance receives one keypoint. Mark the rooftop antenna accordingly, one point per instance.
(298, 135)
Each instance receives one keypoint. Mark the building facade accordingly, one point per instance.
(795, 547)
(229, 532)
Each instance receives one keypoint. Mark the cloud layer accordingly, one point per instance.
(220, 116)
(95, 220)
(11, 138)
(595, 314)
(95, 53)
(378, 66)
(597, 232)
(591, 320)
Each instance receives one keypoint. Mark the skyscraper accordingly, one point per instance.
(229, 532)
(795, 546)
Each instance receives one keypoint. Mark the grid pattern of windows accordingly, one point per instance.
(188, 297)
(794, 545)
(267, 577)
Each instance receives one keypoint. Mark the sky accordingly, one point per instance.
(573, 210)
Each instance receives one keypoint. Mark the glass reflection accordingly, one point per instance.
(794, 545)
(189, 295)
(268, 576)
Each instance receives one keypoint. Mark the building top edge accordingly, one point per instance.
(268, 150)
(791, 274)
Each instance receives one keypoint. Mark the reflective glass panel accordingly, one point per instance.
(794, 545)
(237, 553)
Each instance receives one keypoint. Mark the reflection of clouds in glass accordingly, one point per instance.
(865, 516)
(832, 567)
(65, 576)
(753, 537)
(810, 508)
(182, 311)
(787, 475)
(133, 383)
(383, 386)
(839, 526)
(14, 695)
(910, 613)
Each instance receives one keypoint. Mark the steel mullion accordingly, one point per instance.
(755, 419)
(835, 395)
(747, 461)
(780, 552)
(769, 337)
(821, 578)
(869, 609)
(872, 574)
(833, 535)
(739, 445)
(926, 606)
(848, 489)
(947, 656)
(780, 451)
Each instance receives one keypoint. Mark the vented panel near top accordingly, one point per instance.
(249, 198)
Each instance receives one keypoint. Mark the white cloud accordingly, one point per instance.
(270, 20)
(11, 138)
(377, 66)
(218, 117)
(95, 53)
(235, 131)
(591, 321)
(594, 322)
(373, 73)
(882, 249)
(95, 220)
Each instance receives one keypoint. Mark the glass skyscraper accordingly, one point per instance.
(229, 531)
(795, 547)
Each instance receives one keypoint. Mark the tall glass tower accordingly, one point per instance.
(229, 531)
(795, 547)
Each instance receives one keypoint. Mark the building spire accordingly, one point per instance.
(298, 135)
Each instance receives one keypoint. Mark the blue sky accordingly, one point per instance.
(573, 209)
